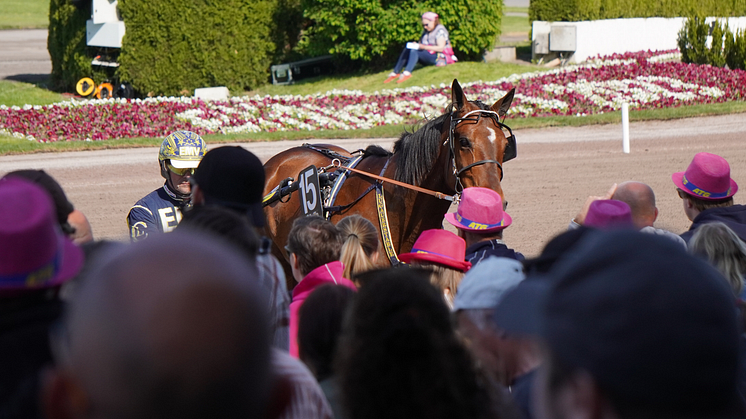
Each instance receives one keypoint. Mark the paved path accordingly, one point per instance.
(24, 55)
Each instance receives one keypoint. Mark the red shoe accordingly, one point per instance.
(403, 78)
(391, 78)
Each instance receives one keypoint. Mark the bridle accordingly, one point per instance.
(509, 153)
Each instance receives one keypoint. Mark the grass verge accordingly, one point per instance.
(9, 145)
(24, 14)
(19, 94)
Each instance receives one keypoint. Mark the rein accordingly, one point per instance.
(455, 198)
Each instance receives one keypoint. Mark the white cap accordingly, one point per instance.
(485, 284)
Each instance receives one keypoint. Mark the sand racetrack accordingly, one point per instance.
(556, 169)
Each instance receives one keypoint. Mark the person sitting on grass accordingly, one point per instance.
(434, 48)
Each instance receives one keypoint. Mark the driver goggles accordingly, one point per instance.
(180, 172)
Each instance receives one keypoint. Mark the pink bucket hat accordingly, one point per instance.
(480, 209)
(430, 15)
(707, 177)
(33, 252)
(607, 214)
(441, 247)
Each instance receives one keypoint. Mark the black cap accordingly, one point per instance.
(655, 326)
(233, 177)
(62, 206)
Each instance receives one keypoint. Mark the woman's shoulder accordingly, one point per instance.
(440, 30)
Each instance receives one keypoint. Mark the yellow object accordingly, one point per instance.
(85, 86)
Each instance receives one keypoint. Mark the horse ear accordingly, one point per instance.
(503, 104)
(458, 98)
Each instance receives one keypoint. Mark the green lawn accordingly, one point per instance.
(24, 14)
(19, 94)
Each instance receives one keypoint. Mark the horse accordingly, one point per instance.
(466, 146)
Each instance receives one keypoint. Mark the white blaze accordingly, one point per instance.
(492, 136)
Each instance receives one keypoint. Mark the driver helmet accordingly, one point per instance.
(183, 150)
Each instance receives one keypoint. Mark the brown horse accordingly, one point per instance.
(464, 147)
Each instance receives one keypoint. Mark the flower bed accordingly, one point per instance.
(645, 80)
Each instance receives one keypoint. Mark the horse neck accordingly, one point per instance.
(420, 211)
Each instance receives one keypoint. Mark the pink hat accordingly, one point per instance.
(33, 252)
(441, 247)
(607, 214)
(430, 15)
(707, 177)
(480, 209)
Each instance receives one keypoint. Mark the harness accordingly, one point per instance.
(509, 153)
(346, 165)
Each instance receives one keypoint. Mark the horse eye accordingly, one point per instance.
(464, 142)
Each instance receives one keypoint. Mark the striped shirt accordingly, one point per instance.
(307, 400)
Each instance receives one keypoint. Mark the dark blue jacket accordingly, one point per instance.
(158, 212)
(480, 251)
(734, 217)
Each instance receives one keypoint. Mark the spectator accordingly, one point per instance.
(148, 339)
(434, 48)
(441, 252)
(707, 190)
(512, 361)
(620, 343)
(233, 178)
(306, 399)
(640, 199)
(319, 327)
(35, 260)
(359, 244)
(400, 357)
(73, 223)
(721, 246)
(314, 246)
(608, 214)
(160, 211)
(480, 221)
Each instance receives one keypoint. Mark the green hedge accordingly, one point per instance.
(66, 43)
(725, 47)
(375, 31)
(174, 46)
(576, 10)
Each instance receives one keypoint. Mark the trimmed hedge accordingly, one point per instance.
(66, 43)
(172, 47)
(577, 10)
(725, 47)
(375, 31)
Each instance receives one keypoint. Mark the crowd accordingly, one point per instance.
(614, 319)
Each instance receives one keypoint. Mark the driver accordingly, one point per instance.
(160, 210)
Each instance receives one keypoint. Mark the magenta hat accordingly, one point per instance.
(34, 253)
(441, 247)
(606, 214)
(480, 209)
(707, 177)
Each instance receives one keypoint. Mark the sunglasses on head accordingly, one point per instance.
(681, 193)
(180, 172)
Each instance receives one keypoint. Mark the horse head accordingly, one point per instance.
(478, 142)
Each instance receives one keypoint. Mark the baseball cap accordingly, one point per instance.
(655, 326)
(233, 177)
(486, 283)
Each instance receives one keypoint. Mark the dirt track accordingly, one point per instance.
(555, 171)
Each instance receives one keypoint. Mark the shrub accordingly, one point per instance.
(66, 43)
(375, 31)
(172, 48)
(735, 50)
(575, 10)
(692, 41)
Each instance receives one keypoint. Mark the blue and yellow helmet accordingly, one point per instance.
(184, 149)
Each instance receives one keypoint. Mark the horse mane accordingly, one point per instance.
(419, 150)
(376, 150)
